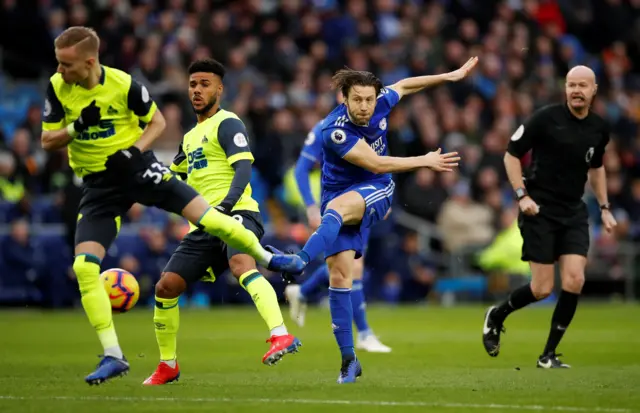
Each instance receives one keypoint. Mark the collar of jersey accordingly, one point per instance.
(103, 76)
(214, 115)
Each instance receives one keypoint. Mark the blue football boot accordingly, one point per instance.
(108, 368)
(290, 265)
(350, 370)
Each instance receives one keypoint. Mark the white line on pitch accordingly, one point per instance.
(325, 402)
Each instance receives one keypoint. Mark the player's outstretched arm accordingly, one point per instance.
(363, 156)
(416, 84)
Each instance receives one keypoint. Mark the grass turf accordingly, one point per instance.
(437, 365)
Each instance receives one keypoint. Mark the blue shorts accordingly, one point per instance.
(377, 197)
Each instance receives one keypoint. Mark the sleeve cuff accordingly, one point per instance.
(152, 111)
(239, 157)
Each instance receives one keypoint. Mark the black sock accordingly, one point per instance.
(562, 316)
(520, 297)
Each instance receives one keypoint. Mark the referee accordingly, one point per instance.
(568, 143)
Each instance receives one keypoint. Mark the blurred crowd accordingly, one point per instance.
(280, 56)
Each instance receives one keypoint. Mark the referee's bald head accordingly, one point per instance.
(580, 88)
(581, 72)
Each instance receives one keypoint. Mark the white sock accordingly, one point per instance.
(170, 363)
(281, 330)
(114, 351)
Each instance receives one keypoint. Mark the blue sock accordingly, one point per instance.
(358, 304)
(324, 236)
(319, 277)
(341, 320)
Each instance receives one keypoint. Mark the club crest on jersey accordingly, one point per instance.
(589, 155)
(240, 140)
(383, 124)
(338, 136)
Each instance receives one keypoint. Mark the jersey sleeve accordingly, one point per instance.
(388, 98)
(340, 141)
(234, 140)
(140, 102)
(312, 148)
(180, 164)
(522, 139)
(598, 154)
(53, 112)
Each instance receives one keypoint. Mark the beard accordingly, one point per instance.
(357, 120)
(207, 107)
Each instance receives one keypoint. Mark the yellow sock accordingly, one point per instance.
(95, 302)
(234, 234)
(265, 299)
(166, 318)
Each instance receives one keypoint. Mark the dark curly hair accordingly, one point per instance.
(207, 66)
(344, 79)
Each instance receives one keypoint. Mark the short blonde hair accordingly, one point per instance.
(85, 39)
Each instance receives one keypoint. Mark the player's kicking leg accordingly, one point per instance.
(175, 196)
(93, 235)
(200, 213)
(541, 286)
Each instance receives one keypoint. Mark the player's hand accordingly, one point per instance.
(608, 221)
(464, 70)
(528, 206)
(441, 162)
(124, 161)
(224, 208)
(313, 217)
(90, 116)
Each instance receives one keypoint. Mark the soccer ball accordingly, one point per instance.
(122, 288)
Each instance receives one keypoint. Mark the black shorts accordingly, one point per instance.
(547, 236)
(105, 198)
(200, 251)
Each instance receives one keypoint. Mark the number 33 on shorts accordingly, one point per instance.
(157, 173)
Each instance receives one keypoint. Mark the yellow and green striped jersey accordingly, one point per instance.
(125, 106)
(207, 154)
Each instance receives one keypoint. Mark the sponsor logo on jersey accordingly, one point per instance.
(105, 129)
(196, 160)
(378, 145)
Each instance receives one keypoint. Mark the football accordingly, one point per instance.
(122, 288)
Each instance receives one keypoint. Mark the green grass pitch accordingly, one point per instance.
(437, 365)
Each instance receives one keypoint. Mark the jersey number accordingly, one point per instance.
(156, 171)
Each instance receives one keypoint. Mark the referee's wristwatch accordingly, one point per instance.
(606, 206)
(521, 193)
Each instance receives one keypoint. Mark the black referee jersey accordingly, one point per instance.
(564, 148)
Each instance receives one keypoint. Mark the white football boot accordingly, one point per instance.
(297, 306)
